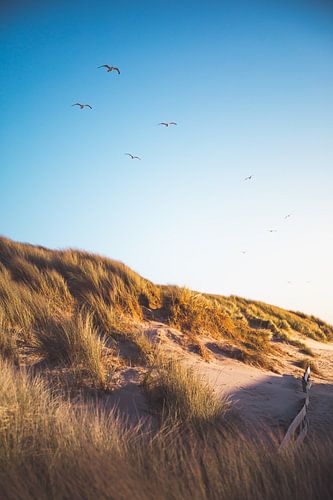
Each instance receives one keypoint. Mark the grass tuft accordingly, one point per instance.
(178, 392)
(194, 313)
(72, 341)
(305, 362)
(308, 351)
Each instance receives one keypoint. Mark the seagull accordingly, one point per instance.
(167, 124)
(109, 68)
(248, 178)
(133, 157)
(287, 216)
(82, 105)
(272, 230)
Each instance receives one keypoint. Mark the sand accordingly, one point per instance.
(257, 394)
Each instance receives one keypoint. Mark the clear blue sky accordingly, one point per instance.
(250, 85)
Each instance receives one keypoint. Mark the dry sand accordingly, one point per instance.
(260, 395)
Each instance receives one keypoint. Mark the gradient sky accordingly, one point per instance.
(250, 84)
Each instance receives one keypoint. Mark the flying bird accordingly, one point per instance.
(82, 105)
(109, 68)
(248, 178)
(167, 124)
(133, 157)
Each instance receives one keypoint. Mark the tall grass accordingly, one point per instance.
(41, 288)
(50, 450)
(193, 312)
(44, 441)
(177, 392)
(280, 319)
(8, 341)
(72, 341)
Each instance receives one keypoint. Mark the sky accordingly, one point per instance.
(250, 86)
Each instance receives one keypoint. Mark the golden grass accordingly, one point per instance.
(51, 450)
(40, 289)
(307, 350)
(70, 307)
(286, 320)
(179, 393)
(146, 349)
(249, 356)
(304, 349)
(193, 312)
(72, 341)
(305, 362)
(198, 346)
(63, 303)
(8, 341)
(41, 434)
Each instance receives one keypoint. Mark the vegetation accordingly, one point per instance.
(305, 362)
(51, 450)
(278, 320)
(68, 320)
(72, 308)
(72, 341)
(195, 313)
(8, 341)
(308, 351)
(178, 393)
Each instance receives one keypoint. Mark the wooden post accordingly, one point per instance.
(300, 422)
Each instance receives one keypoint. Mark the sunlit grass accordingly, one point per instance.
(41, 291)
(52, 450)
(72, 341)
(178, 392)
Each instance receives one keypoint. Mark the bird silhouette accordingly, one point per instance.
(133, 157)
(82, 106)
(167, 124)
(109, 68)
(248, 178)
